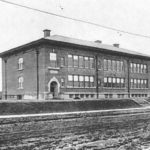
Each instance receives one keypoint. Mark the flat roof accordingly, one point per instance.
(78, 42)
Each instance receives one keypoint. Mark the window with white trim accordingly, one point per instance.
(53, 60)
(86, 81)
(20, 82)
(70, 80)
(20, 63)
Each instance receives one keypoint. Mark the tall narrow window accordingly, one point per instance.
(86, 81)
(145, 69)
(20, 81)
(81, 81)
(135, 83)
(118, 66)
(86, 62)
(105, 64)
(91, 62)
(70, 80)
(138, 68)
(109, 65)
(105, 82)
(122, 82)
(91, 81)
(142, 85)
(20, 63)
(109, 82)
(122, 66)
(131, 84)
(131, 67)
(62, 61)
(76, 81)
(134, 68)
(118, 82)
(114, 65)
(142, 68)
(113, 82)
(75, 61)
(81, 62)
(62, 82)
(53, 60)
(139, 83)
(70, 61)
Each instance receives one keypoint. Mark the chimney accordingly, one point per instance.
(46, 33)
(98, 41)
(116, 45)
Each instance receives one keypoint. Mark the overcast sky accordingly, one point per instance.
(19, 25)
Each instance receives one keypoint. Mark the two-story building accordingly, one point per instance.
(66, 68)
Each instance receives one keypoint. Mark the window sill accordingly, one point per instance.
(80, 67)
(81, 87)
(53, 68)
(20, 69)
(20, 88)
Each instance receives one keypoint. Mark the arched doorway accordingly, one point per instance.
(54, 89)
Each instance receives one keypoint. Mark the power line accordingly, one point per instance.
(75, 19)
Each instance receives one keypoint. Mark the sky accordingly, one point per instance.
(19, 25)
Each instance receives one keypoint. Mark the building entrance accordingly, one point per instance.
(54, 89)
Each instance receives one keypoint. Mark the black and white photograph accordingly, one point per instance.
(74, 74)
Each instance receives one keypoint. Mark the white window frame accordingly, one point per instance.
(20, 81)
(20, 63)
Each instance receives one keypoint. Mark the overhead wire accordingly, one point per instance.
(75, 19)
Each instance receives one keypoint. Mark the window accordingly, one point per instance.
(70, 80)
(142, 86)
(53, 60)
(62, 61)
(122, 83)
(105, 64)
(62, 82)
(138, 68)
(81, 62)
(20, 63)
(139, 83)
(122, 67)
(105, 82)
(109, 65)
(70, 95)
(70, 61)
(118, 82)
(142, 68)
(91, 62)
(75, 61)
(113, 82)
(20, 81)
(118, 66)
(131, 83)
(76, 81)
(86, 81)
(135, 83)
(114, 65)
(131, 67)
(109, 82)
(86, 62)
(145, 69)
(134, 65)
(91, 81)
(81, 81)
